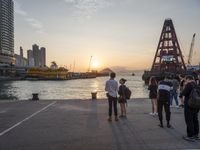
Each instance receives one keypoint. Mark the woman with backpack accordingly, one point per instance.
(122, 97)
(153, 86)
(191, 114)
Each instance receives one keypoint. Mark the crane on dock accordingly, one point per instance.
(191, 50)
(89, 68)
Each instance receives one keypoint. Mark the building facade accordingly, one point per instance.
(7, 32)
(43, 56)
(30, 59)
(37, 56)
(20, 61)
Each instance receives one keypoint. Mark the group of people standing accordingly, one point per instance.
(162, 95)
(175, 84)
(112, 94)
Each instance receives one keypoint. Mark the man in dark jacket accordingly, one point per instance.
(191, 114)
(164, 89)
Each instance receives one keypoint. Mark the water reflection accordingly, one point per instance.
(6, 91)
(73, 89)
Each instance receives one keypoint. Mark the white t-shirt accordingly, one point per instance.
(112, 87)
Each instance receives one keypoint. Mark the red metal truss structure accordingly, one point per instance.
(168, 56)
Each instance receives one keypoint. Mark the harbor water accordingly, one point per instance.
(69, 89)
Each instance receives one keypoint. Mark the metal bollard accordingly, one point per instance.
(94, 95)
(35, 97)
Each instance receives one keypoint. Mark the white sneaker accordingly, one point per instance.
(156, 114)
(151, 114)
(177, 106)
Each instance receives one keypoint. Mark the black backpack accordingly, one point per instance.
(194, 99)
(128, 93)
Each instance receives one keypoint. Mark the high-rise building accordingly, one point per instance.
(21, 57)
(21, 52)
(36, 55)
(20, 61)
(43, 56)
(30, 58)
(7, 32)
(29, 54)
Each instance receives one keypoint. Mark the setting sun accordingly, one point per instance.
(95, 64)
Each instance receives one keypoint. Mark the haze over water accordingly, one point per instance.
(71, 89)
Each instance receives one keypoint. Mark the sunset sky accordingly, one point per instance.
(121, 33)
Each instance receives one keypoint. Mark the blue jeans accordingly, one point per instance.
(173, 95)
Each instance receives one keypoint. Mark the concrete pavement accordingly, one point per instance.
(77, 124)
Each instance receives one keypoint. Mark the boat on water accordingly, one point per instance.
(35, 74)
(47, 74)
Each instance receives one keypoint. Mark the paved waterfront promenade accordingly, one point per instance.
(82, 125)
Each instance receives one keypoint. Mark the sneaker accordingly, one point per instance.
(169, 126)
(196, 138)
(155, 114)
(177, 106)
(116, 119)
(151, 114)
(181, 105)
(190, 139)
(161, 125)
(109, 119)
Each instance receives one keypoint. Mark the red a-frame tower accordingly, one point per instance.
(168, 56)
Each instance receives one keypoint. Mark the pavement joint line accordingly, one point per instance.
(27, 118)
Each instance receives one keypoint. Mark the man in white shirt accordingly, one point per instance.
(112, 90)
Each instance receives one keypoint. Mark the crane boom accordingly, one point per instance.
(191, 50)
(89, 68)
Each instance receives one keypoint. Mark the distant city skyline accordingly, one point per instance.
(116, 33)
(36, 57)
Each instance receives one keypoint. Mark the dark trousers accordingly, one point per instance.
(174, 95)
(166, 106)
(191, 119)
(112, 102)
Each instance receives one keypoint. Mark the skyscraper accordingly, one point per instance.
(21, 56)
(6, 32)
(43, 56)
(30, 58)
(21, 52)
(36, 55)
